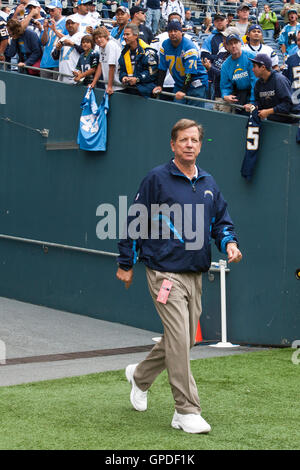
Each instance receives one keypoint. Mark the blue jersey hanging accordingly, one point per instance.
(252, 144)
(92, 132)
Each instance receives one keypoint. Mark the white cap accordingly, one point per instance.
(33, 3)
(72, 18)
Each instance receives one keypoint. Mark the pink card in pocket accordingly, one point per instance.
(164, 291)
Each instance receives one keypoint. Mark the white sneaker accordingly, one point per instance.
(138, 398)
(192, 423)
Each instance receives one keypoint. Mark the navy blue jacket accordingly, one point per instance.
(32, 46)
(145, 67)
(276, 93)
(166, 184)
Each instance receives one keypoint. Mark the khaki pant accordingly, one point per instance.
(180, 316)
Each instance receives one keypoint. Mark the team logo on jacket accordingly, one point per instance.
(208, 192)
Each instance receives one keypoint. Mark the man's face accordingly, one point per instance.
(83, 9)
(220, 24)
(121, 17)
(129, 37)
(234, 47)
(257, 70)
(36, 10)
(243, 14)
(188, 15)
(72, 28)
(256, 34)
(55, 13)
(293, 17)
(187, 145)
(175, 37)
(141, 16)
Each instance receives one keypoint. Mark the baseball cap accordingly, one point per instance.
(136, 9)
(174, 26)
(263, 59)
(54, 4)
(219, 16)
(255, 26)
(231, 30)
(83, 2)
(292, 10)
(233, 36)
(72, 18)
(242, 6)
(33, 3)
(123, 9)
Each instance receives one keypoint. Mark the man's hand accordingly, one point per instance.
(132, 81)
(207, 63)
(230, 99)
(234, 254)
(179, 95)
(264, 113)
(68, 42)
(125, 276)
(157, 90)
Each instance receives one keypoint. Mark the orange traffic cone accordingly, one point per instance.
(198, 338)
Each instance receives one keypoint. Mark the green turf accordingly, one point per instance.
(250, 400)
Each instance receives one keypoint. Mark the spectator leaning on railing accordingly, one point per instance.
(138, 64)
(24, 43)
(108, 66)
(272, 92)
(237, 78)
(180, 56)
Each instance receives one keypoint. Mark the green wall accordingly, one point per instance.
(53, 196)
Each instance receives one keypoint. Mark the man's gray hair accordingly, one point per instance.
(134, 28)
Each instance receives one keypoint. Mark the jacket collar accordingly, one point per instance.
(174, 170)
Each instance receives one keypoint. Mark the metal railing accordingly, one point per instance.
(164, 93)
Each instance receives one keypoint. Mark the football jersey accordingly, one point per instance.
(47, 60)
(292, 72)
(263, 49)
(3, 30)
(182, 60)
(69, 57)
(86, 62)
(252, 145)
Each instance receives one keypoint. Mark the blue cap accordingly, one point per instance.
(233, 36)
(83, 2)
(263, 59)
(54, 4)
(174, 26)
(255, 26)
